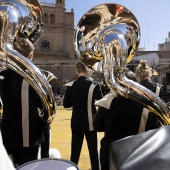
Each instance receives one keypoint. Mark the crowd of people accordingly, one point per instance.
(59, 99)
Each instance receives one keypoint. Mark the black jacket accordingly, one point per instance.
(21, 125)
(122, 119)
(81, 96)
(151, 86)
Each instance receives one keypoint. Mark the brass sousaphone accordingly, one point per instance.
(106, 39)
(25, 16)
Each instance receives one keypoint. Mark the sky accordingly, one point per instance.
(153, 17)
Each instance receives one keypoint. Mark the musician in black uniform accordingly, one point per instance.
(119, 117)
(22, 128)
(143, 73)
(81, 95)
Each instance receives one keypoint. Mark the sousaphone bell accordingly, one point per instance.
(106, 39)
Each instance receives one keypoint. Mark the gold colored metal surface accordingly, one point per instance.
(106, 39)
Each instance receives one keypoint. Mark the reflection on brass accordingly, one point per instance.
(106, 39)
(25, 16)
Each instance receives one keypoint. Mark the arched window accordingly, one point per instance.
(52, 18)
(45, 18)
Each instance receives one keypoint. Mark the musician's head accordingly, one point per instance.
(81, 69)
(143, 71)
(24, 46)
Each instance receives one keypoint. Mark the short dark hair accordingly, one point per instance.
(23, 45)
(81, 68)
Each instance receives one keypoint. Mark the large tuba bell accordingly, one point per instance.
(24, 16)
(106, 39)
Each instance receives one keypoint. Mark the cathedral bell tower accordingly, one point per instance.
(60, 5)
(60, 2)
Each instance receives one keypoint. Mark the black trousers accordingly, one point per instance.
(23, 154)
(45, 146)
(104, 156)
(76, 146)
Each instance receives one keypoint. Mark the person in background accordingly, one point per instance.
(118, 117)
(143, 74)
(44, 148)
(21, 126)
(81, 95)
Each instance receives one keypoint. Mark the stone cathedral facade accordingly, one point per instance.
(54, 50)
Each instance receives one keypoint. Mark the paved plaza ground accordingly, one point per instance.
(61, 138)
